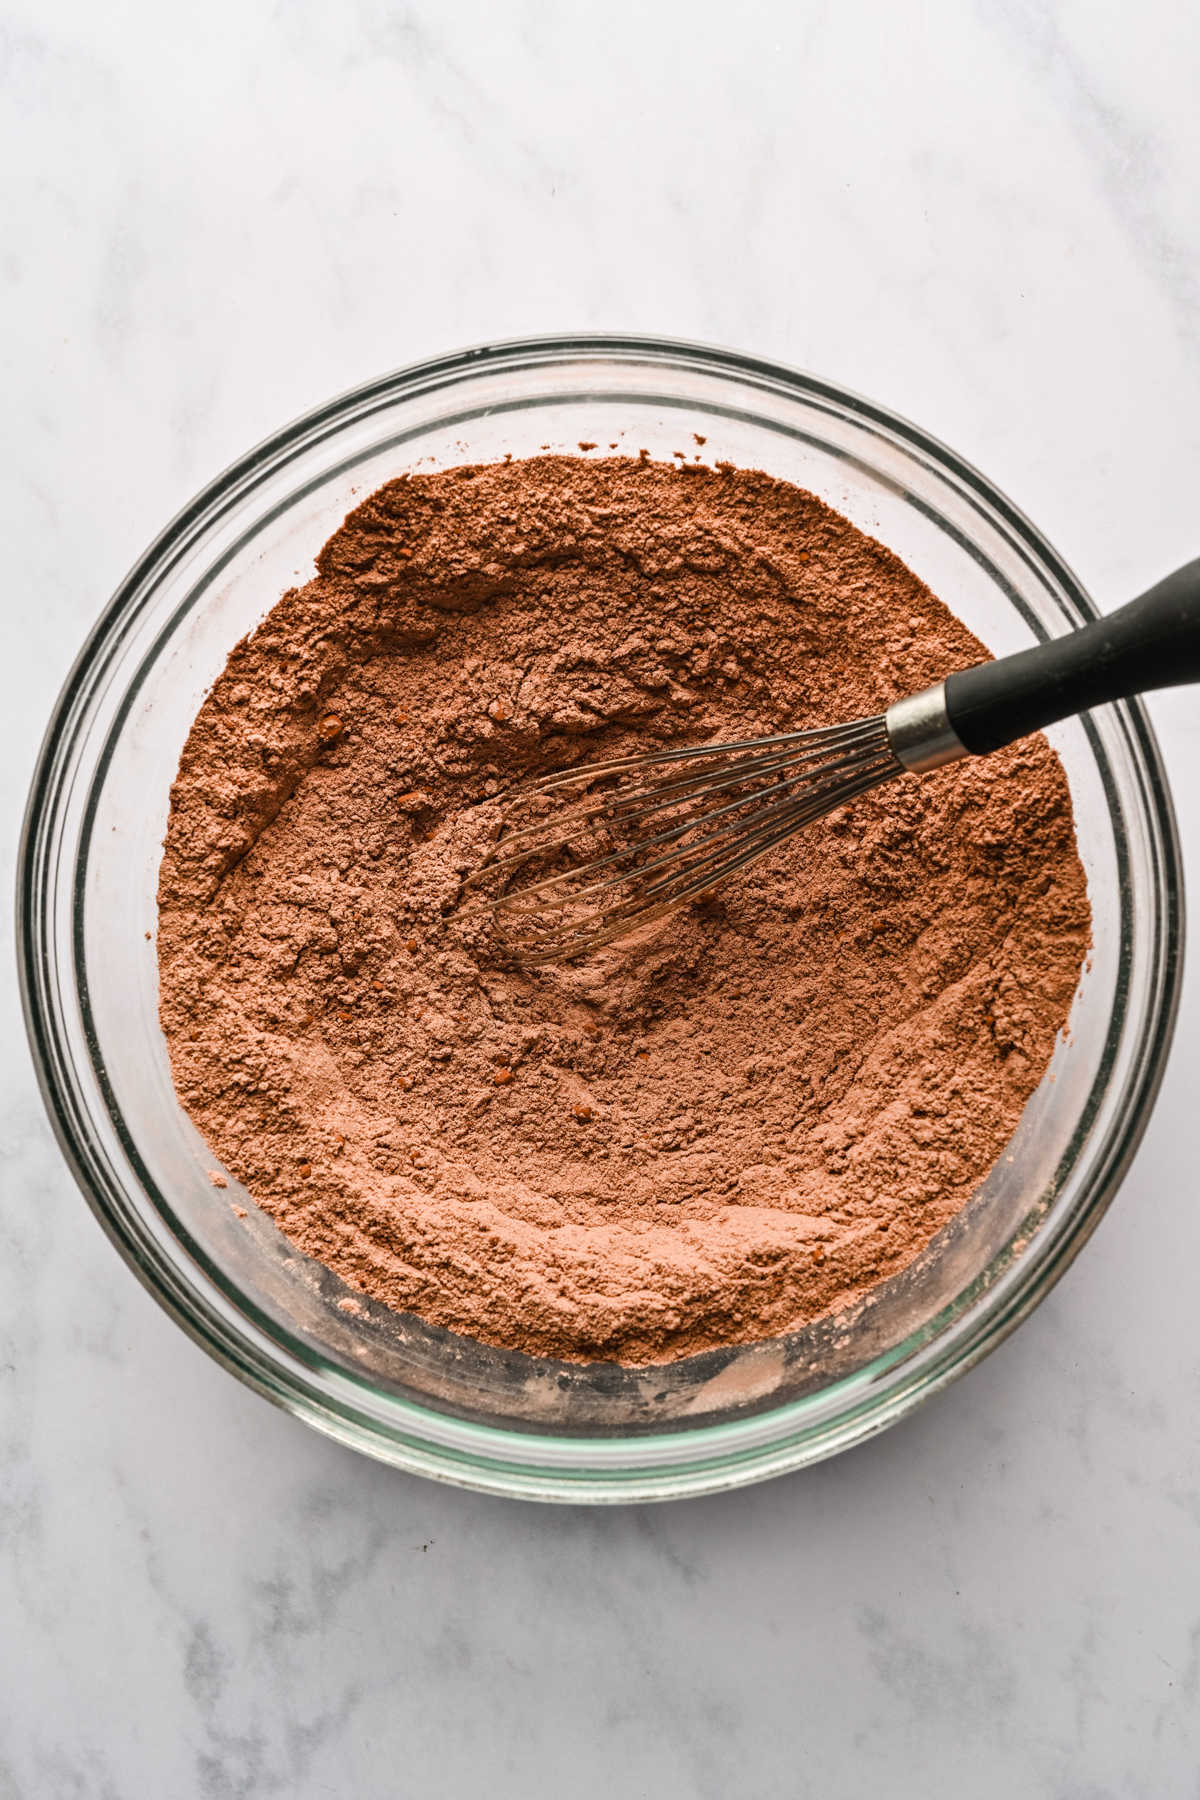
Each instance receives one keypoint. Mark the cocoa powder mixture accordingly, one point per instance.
(706, 1140)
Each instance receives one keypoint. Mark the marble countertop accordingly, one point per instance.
(983, 216)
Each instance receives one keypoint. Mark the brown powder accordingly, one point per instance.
(710, 1139)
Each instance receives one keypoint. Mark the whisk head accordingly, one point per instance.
(591, 854)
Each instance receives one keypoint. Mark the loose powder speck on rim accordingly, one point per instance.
(704, 1140)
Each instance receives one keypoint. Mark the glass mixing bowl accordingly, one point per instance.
(387, 1383)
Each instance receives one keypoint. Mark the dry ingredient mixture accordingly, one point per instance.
(709, 1139)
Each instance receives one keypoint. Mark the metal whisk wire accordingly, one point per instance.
(649, 833)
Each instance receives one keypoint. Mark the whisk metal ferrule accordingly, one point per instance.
(920, 733)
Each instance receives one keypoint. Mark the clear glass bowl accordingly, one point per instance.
(387, 1383)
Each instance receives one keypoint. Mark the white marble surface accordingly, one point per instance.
(983, 215)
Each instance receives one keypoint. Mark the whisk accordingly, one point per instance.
(598, 852)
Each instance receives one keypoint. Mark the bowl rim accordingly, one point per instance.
(498, 1458)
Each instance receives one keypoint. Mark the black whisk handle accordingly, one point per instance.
(1153, 642)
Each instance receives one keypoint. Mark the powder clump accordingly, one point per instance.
(711, 1138)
